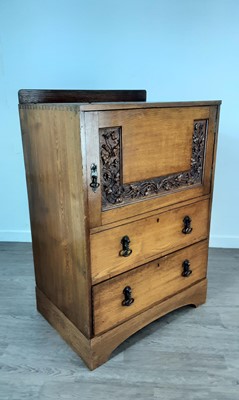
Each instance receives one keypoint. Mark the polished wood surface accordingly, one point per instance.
(155, 142)
(27, 96)
(77, 230)
(149, 238)
(135, 105)
(64, 326)
(149, 214)
(150, 284)
(142, 160)
(97, 350)
(57, 210)
(89, 129)
(106, 342)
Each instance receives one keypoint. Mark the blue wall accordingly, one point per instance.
(176, 49)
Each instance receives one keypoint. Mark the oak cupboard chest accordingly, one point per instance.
(120, 194)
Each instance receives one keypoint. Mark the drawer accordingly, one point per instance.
(149, 284)
(149, 238)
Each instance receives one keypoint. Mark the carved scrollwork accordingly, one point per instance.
(112, 189)
(114, 192)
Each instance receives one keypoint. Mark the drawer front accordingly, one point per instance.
(145, 159)
(149, 238)
(120, 298)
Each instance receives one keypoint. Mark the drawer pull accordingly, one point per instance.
(127, 292)
(186, 270)
(126, 251)
(187, 225)
(94, 175)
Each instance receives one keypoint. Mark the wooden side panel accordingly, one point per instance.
(149, 238)
(214, 115)
(149, 284)
(54, 171)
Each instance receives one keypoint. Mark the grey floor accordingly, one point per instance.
(188, 354)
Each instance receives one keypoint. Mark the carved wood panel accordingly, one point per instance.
(115, 193)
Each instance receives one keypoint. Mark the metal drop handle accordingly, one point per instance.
(128, 300)
(94, 176)
(186, 268)
(126, 251)
(187, 225)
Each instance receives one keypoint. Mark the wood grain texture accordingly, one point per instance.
(57, 210)
(27, 96)
(77, 243)
(91, 135)
(155, 142)
(215, 114)
(97, 350)
(172, 196)
(210, 159)
(69, 332)
(149, 237)
(115, 192)
(121, 214)
(150, 284)
(115, 106)
(194, 295)
(148, 214)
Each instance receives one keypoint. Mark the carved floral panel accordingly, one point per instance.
(115, 193)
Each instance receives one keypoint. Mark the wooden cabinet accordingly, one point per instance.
(120, 198)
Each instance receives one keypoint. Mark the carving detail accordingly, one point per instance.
(114, 192)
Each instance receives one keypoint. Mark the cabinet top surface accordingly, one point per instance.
(120, 105)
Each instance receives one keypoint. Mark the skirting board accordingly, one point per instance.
(219, 241)
(15, 236)
(223, 241)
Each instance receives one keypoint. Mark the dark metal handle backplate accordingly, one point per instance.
(187, 225)
(126, 251)
(128, 300)
(186, 268)
(94, 176)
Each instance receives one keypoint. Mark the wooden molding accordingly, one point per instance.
(26, 96)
